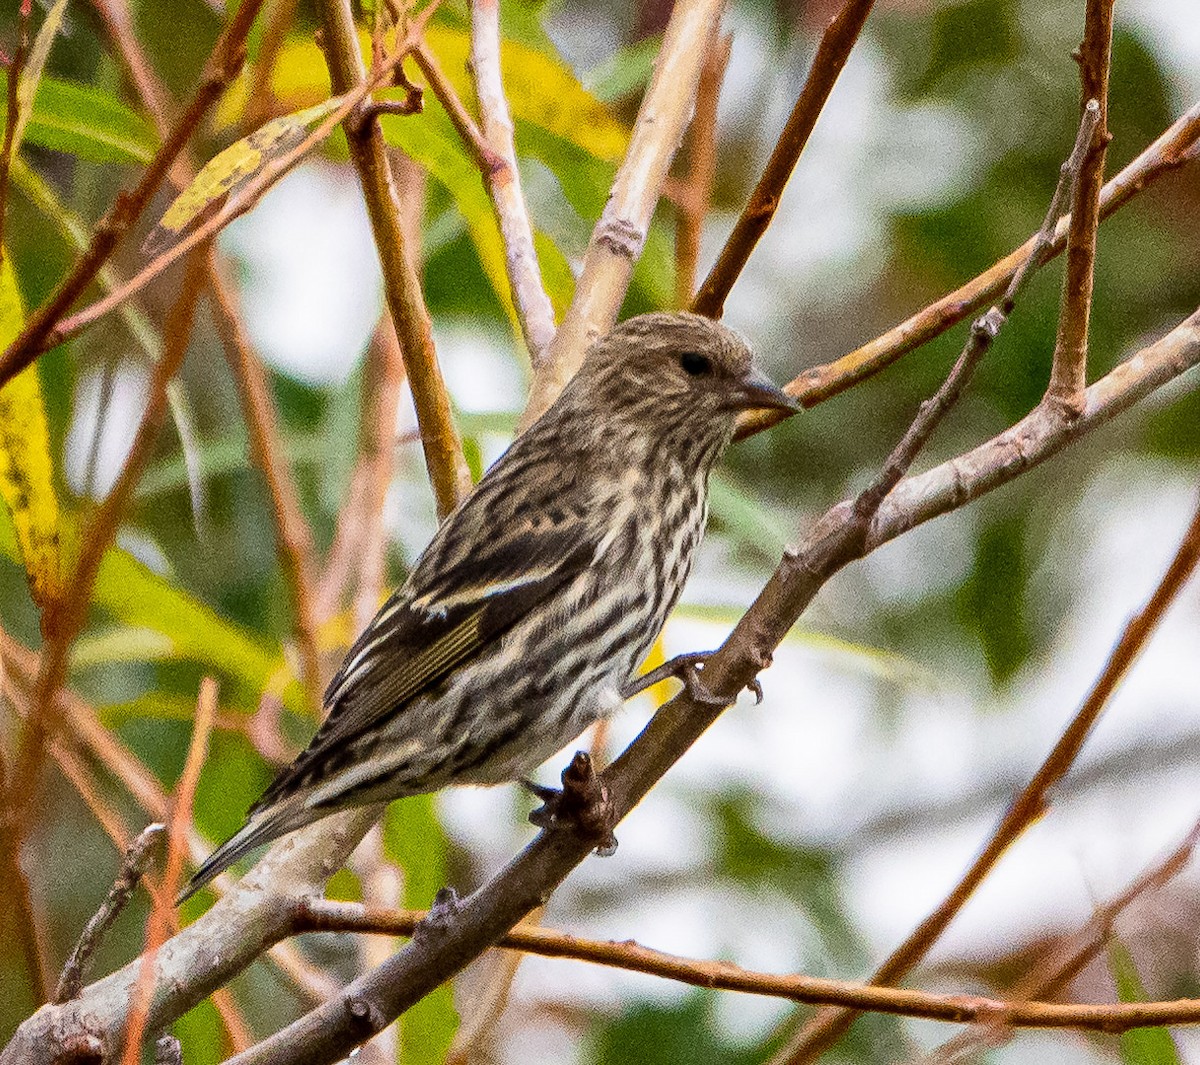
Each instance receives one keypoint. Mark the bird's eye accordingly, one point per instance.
(694, 363)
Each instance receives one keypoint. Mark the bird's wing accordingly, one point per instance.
(416, 640)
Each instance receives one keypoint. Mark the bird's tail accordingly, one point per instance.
(254, 833)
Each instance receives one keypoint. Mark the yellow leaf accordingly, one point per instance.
(230, 170)
(26, 469)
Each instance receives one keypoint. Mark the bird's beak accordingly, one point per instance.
(756, 391)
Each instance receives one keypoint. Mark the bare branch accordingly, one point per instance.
(504, 182)
(133, 865)
(1170, 151)
(219, 71)
(839, 38)
(293, 537)
(1068, 376)
(825, 1028)
(448, 472)
(694, 192)
(619, 234)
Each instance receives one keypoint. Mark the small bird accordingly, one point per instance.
(525, 618)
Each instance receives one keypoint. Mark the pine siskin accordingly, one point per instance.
(524, 619)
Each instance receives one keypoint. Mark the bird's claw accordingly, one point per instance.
(582, 804)
(689, 668)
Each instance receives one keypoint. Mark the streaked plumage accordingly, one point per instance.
(538, 598)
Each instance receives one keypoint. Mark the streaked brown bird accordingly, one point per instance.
(525, 618)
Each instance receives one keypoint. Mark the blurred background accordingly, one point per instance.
(920, 691)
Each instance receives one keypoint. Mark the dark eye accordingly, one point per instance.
(694, 363)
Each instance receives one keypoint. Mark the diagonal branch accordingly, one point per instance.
(826, 1027)
(220, 70)
(448, 472)
(620, 233)
(504, 182)
(839, 38)
(1068, 375)
(1170, 151)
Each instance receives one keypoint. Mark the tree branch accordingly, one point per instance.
(825, 1028)
(503, 181)
(292, 534)
(448, 472)
(1170, 151)
(1068, 375)
(617, 239)
(222, 66)
(839, 38)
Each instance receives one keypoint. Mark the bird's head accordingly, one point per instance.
(674, 371)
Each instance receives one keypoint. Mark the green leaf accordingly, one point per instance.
(26, 468)
(1139, 1046)
(144, 600)
(87, 122)
(625, 71)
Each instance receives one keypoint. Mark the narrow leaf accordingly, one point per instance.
(31, 75)
(229, 171)
(26, 469)
(1139, 1046)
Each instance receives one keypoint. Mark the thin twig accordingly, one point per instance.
(448, 471)
(1079, 950)
(1168, 152)
(839, 38)
(16, 68)
(460, 118)
(20, 908)
(695, 191)
(826, 1027)
(293, 536)
(620, 233)
(320, 915)
(504, 182)
(276, 22)
(178, 828)
(133, 865)
(118, 24)
(1068, 375)
(220, 70)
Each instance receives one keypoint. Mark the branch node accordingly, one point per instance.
(621, 236)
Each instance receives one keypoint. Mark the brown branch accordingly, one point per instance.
(448, 472)
(695, 191)
(243, 923)
(826, 1027)
(320, 915)
(222, 66)
(162, 915)
(1068, 375)
(118, 24)
(133, 865)
(16, 68)
(460, 118)
(833, 51)
(504, 182)
(276, 21)
(20, 909)
(1170, 151)
(1079, 950)
(292, 533)
(619, 234)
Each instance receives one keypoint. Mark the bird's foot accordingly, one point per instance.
(582, 804)
(445, 908)
(689, 668)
